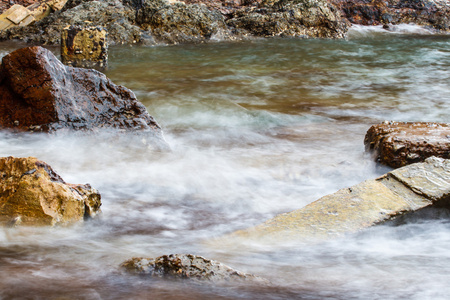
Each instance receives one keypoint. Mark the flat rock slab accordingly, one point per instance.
(398, 144)
(369, 203)
(32, 194)
(186, 266)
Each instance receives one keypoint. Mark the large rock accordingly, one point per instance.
(369, 203)
(181, 23)
(290, 18)
(39, 93)
(31, 193)
(397, 144)
(431, 13)
(186, 266)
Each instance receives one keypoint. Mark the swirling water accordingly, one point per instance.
(256, 128)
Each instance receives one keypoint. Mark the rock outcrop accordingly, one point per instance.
(397, 144)
(404, 190)
(32, 194)
(431, 13)
(39, 93)
(172, 22)
(186, 266)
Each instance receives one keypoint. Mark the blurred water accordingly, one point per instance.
(256, 128)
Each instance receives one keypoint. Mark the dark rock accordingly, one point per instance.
(181, 23)
(397, 144)
(39, 93)
(186, 266)
(290, 18)
(32, 194)
(432, 13)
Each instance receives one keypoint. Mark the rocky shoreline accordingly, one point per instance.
(151, 22)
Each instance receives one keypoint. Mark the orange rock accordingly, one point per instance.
(32, 194)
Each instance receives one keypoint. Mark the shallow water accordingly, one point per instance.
(256, 128)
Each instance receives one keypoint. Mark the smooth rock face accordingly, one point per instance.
(369, 203)
(186, 266)
(432, 13)
(397, 144)
(39, 93)
(32, 194)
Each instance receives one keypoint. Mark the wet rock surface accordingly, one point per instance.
(402, 191)
(159, 21)
(186, 266)
(39, 93)
(397, 144)
(431, 13)
(32, 194)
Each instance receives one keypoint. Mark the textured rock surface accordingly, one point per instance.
(186, 266)
(371, 202)
(39, 93)
(160, 21)
(432, 13)
(397, 144)
(31, 193)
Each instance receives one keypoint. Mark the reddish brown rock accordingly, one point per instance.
(397, 144)
(432, 13)
(39, 93)
(31, 193)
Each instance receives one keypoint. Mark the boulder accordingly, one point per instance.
(399, 192)
(39, 93)
(186, 266)
(32, 194)
(180, 23)
(432, 13)
(290, 18)
(397, 144)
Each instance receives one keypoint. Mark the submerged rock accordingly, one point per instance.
(404, 190)
(32, 194)
(39, 93)
(397, 144)
(186, 266)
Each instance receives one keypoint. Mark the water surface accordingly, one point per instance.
(256, 128)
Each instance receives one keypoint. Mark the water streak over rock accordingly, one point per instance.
(31, 193)
(404, 190)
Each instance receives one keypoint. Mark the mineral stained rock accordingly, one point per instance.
(404, 190)
(32, 194)
(397, 144)
(186, 266)
(39, 93)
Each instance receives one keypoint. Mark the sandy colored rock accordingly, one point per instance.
(32, 194)
(397, 144)
(186, 266)
(84, 47)
(369, 203)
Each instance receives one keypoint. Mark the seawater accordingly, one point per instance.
(256, 128)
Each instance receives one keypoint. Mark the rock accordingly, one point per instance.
(32, 194)
(404, 190)
(84, 47)
(39, 93)
(180, 23)
(186, 266)
(431, 13)
(113, 15)
(290, 18)
(397, 144)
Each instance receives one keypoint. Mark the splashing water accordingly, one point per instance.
(256, 129)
